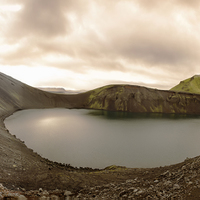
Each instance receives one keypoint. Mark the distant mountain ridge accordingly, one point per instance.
(191, 85)
(60, 90)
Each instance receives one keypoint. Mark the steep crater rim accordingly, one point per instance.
(22, 167)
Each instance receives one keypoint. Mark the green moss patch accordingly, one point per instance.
(191, 85)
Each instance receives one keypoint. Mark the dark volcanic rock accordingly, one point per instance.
(138, 99)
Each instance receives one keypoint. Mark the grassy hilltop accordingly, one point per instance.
(191, 85)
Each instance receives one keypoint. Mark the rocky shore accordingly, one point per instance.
(181, 181)
(176, 182)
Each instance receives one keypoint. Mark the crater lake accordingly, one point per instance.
(97, 139)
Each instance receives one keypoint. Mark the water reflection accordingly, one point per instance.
(127, 115)
(98, 139)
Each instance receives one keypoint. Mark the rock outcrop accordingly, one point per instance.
(129, 98)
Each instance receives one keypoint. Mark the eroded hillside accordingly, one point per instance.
(138, 99)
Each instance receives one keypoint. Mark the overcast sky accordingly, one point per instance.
(84, 44)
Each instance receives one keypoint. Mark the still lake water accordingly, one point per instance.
(97, 139)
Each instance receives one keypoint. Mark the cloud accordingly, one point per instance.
(157, 39)
(166, 6)
(165, 40)
(10, 2)
(41, 18)
(47, 18)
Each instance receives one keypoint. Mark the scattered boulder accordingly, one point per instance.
(67, 193)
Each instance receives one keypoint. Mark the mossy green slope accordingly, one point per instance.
(191, 85)
(137, 99)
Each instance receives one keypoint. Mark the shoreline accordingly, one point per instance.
(44, 138)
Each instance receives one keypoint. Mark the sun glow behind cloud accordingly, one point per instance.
(33, 75)
(10, 8)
